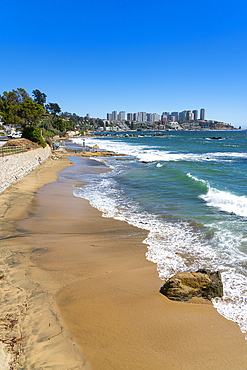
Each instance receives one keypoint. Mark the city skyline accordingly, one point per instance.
(92, 56)
(154, 117)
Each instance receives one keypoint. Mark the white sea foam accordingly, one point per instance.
(198, 180)
(226, 201)
(175, 246)
(145, 153)
(223, 200)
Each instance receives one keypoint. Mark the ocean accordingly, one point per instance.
(190, 193)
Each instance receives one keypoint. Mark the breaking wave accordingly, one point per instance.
(145, 153)
(174, 246)
(223, 200)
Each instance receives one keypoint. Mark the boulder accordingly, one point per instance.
(185, 285)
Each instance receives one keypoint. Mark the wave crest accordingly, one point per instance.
(226, 201)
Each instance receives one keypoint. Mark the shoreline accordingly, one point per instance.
(30, 334)
(108, 293)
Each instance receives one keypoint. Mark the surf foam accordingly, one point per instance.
(145, 153)
(173, 246)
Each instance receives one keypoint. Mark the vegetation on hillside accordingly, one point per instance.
(32, 133)
(33, 116)
(19, 109)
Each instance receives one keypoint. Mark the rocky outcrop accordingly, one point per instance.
(100, 154)
(185, 285)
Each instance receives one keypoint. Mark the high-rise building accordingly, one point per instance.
(121, 116)
(135, 115)
(203, 114)
(195, 114)
(188, 115)
(164, 118)
(141, 117)
(176, 115)
(88, 115)
(130, 116)
(109, 116)
(114, 115)
(144, 117)
(153, 117)
(156, 117)
(182, 115)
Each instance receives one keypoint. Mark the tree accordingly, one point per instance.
(53, 108)
(100, 122)
(18, 109)
(75, 118)
(39, 97)
(30, 112)
(10, 106)
(10, 114)
(59, 124)
(14, 97)
(65, 115)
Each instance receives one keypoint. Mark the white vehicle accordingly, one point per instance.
(15, 135)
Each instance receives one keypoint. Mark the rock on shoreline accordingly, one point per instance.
(185, 285)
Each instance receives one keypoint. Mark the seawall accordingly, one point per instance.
(16, 166)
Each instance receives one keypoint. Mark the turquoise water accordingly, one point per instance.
(190, 193)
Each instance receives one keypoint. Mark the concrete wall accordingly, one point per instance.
(16, 166)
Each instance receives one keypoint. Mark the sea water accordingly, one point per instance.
(189, 192)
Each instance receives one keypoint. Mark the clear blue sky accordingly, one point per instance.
(97, 56)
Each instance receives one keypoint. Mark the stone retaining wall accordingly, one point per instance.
(16, 166)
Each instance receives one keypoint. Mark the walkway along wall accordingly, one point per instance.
(16, 166)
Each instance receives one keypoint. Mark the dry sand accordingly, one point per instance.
(107, 293)
(30, 325)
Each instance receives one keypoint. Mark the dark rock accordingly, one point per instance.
(185, 285)
(215, 288)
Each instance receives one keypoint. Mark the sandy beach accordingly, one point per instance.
(84, 295)
(30, 330)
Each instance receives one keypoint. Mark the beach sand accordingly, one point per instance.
(30, 321)
(97, 294)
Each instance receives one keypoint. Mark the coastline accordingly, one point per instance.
(30, 320)
(108, 293)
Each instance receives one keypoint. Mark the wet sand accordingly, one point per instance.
(105, 295)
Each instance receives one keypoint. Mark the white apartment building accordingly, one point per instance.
(121, 116)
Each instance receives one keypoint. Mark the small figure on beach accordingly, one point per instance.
(39, 160)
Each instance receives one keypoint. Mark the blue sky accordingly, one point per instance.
(99, 56)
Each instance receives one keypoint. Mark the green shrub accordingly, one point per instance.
(46, 124)
(48, 133)
(33, 133)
